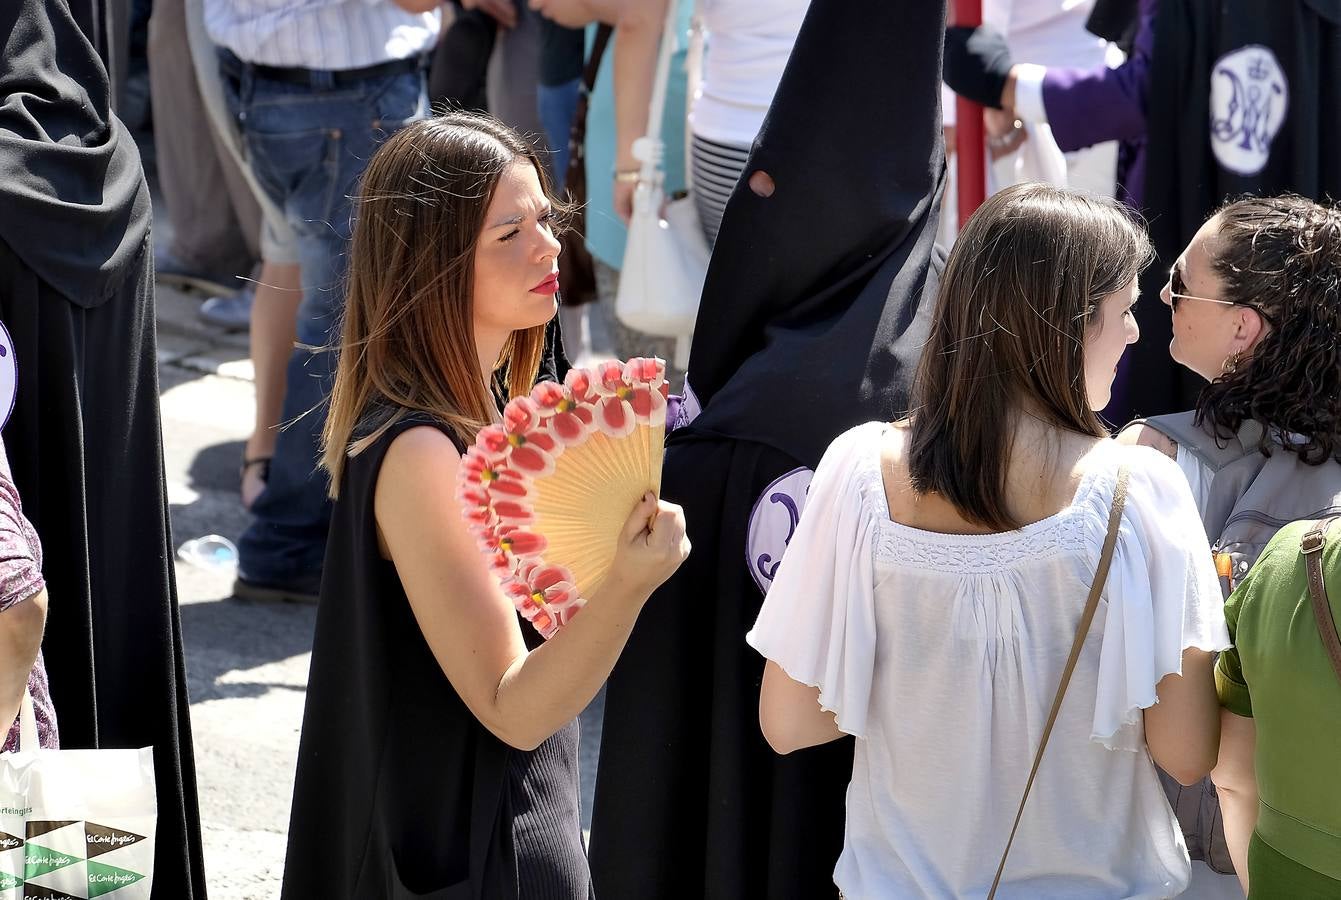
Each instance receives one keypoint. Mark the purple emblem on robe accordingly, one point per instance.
(773, 522)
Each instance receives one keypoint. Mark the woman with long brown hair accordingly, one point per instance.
(438, 755)
(935, 585)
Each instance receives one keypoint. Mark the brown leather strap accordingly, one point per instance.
(1082, 629)
(1311, 545)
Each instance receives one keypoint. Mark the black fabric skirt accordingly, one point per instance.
(690, 799)
(85, 445)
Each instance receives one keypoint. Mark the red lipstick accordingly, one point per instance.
(549, 286)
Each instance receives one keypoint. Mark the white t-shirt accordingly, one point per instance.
(748, 43)
(941, 654)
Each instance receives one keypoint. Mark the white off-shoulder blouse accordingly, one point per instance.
(941, 654)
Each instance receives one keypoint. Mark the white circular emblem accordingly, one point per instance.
(773, 522)
(9, 376)
(1249, 99)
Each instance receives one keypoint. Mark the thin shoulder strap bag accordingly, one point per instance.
(1311, 545)
(1082, 629)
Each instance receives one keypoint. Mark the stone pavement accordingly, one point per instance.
(246, 663)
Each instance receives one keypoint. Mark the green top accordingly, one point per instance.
(1279, 674)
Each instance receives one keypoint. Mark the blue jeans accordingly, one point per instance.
(556, 105)
(307, 147)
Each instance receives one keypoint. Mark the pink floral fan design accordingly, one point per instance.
(547, 492)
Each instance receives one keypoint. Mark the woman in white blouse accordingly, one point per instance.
(933, 587)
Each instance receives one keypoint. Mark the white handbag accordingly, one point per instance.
(666, 254)
(75, 823)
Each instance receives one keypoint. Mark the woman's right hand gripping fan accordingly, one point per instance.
(652, 545)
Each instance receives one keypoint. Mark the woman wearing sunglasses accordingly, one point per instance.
(1256, 304)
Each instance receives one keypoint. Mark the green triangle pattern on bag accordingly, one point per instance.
(9, 882)
(38, 860)
(103, 879)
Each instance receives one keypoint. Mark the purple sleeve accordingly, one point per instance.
(1072, 96)
(20, 550)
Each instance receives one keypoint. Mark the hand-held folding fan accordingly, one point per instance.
(547, 492)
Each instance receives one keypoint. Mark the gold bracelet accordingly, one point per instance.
(628, 176)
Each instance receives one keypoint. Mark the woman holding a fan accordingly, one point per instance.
(439, 748)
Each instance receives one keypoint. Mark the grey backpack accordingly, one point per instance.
(1251, 498)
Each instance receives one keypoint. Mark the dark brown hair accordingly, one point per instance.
(1020, 290)
(408, 337)
(1282, 256)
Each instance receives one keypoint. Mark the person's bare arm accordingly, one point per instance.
(1139, 434)
(20, 639)
(790, 714)
(1236, 782)
(578, 13)
(1182, 730)
(418, 6)
(471, 626)
(637, 42)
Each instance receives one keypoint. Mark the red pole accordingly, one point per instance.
(970, 141)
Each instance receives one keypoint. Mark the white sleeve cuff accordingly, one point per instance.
(1029, 93)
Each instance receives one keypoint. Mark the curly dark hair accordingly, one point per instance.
(1282, 256)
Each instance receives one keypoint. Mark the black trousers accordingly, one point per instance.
(86, 449)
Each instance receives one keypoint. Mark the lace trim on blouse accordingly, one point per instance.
(1066, 531)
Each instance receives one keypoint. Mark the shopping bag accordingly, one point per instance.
(75, 823)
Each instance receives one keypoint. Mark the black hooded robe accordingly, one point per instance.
(76, 293)
(1246, 99)
(815, 309)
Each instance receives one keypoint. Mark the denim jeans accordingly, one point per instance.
(556, 105)
(307, 147)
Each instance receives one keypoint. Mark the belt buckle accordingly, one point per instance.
(1314, 541)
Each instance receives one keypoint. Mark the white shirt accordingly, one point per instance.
(941, 653)
(320, 34)
(1043, 33)
(1198, 476)
(1048, 32)
(748, 43)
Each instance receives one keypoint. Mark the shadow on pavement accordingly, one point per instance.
(216, 467)
(234, 646)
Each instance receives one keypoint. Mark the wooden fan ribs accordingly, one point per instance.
(553, 546)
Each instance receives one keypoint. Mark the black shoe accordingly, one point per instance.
(301, 590)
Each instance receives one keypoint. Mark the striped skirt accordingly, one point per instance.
(716, 169)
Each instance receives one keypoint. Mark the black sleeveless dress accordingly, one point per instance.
(400, 791)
